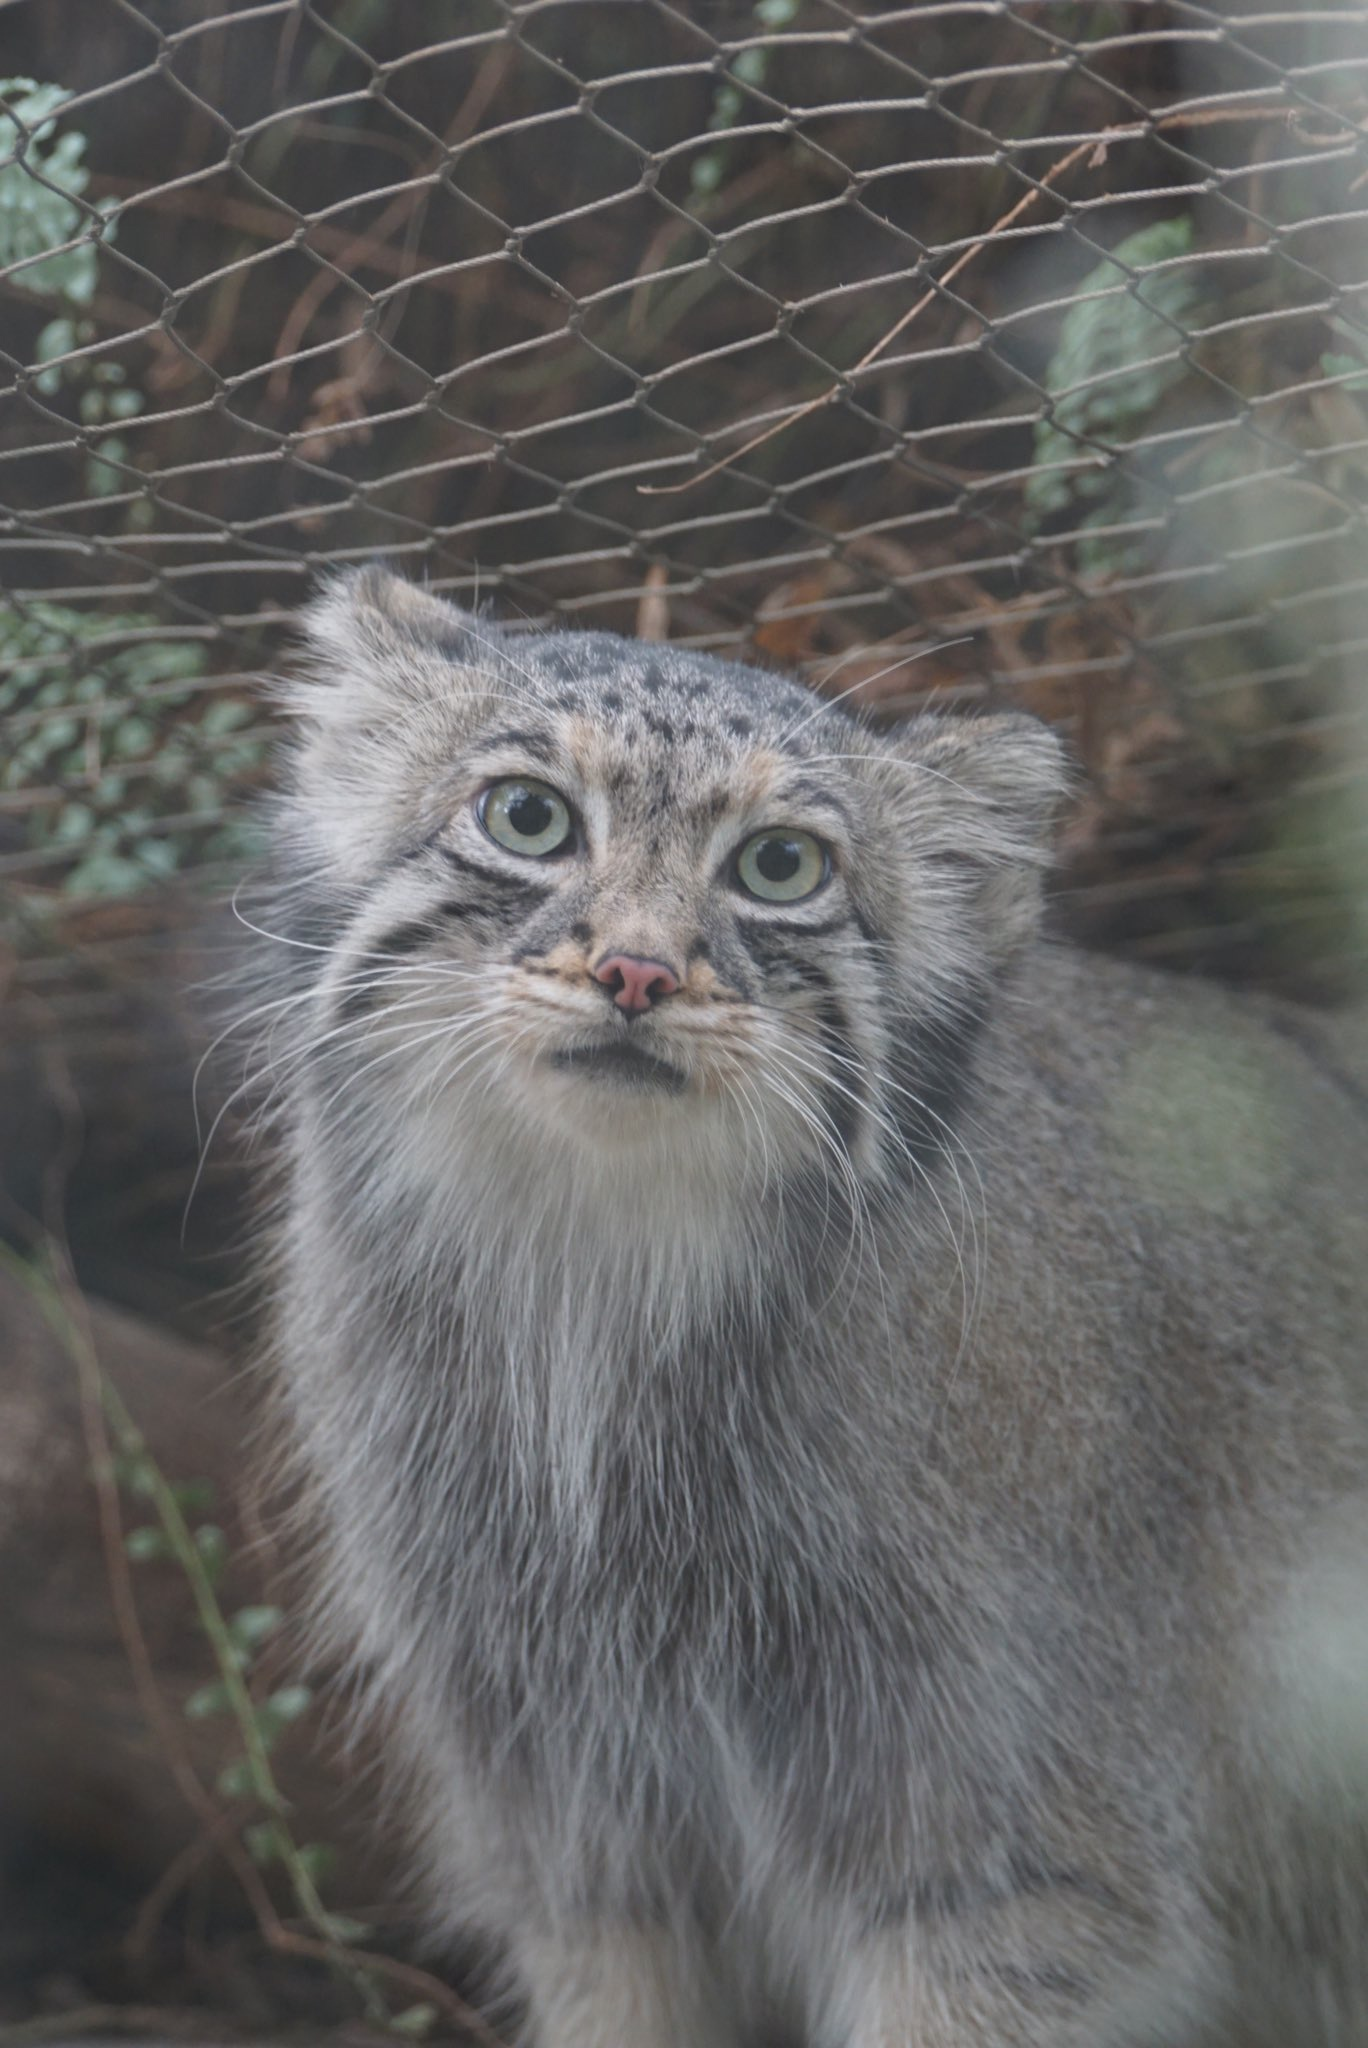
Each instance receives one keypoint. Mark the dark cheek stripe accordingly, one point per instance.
(842, 1092)
(932, 1065)
(495, 879)
(405, 939)
(494, 920)
(842, 922)
(844, 1100)
(400, 942)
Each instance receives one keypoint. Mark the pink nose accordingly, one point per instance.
(635, 983)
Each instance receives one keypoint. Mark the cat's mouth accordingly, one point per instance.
(622, 1065)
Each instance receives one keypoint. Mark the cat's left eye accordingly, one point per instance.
(526, 817)
(782, 867)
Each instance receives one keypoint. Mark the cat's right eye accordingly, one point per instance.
(526, 817)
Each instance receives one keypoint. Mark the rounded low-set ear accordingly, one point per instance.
(370, 625)
(387, 674)
(988, 793)
(1010, 768)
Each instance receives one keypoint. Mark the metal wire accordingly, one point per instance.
(1009, 353)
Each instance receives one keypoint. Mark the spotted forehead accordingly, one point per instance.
(652, 695)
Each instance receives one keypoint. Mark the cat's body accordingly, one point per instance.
(838, 1442)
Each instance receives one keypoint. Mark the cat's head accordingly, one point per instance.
(643, 899)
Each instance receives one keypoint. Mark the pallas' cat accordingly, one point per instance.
(833, 1423)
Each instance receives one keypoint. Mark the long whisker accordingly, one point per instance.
(860, 1202)
(970, 1271)
(909, 767)
(279, 1069)
(830, 1147)
(866, 682)
(948, 1143)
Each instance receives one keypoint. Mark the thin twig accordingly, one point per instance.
(653, 606)
(177, 1874)
(103, 1412)
(1095, 149)
(418, 190)
(153, 2021)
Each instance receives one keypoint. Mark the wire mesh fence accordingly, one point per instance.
(966, 351)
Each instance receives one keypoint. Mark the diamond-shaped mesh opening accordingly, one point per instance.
(959, 351)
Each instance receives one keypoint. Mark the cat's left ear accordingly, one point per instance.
(986, 793)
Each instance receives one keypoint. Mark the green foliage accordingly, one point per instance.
(1354, 364)
(1117, 360)
(200, 1550)
(250, 1626)
(127, 737)
(121, 731)
(415, 2022)
(39, 215)
(39, 187)
(748, 67)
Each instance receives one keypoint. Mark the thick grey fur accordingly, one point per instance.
(864, 1548)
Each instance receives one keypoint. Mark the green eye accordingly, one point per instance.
(526, 817)
(782, 867)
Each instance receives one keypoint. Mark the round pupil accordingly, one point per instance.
(778, 859)
(529, 814)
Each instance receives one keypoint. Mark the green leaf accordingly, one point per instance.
(160, 857)
(104, 874)
(319, 1860)
(344, 1930)
(415, 2022)
(212, 1545)
(235, 1781)
(224, 714)
(58, 338)
(73, 823)
(131, 737)
(135, 1473)
(146, 1543)
(38, 191)
(263, 1841)
(1353, 367)
(250, 1626)
(289, 1703)
(208, 1700)
(1116, 361)
(193, 1496)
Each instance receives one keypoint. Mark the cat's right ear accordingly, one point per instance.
(375, 643)
(379, 698)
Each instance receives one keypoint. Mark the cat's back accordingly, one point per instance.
(1177, 1180)
(1214, 1116)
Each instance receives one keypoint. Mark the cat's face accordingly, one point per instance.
(638, 898)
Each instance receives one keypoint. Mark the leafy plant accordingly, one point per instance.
(748, 67)
(1117, 360)
(122, 732)
(41, 229)
(198, 1549)
(40, 183)
(127, 737)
